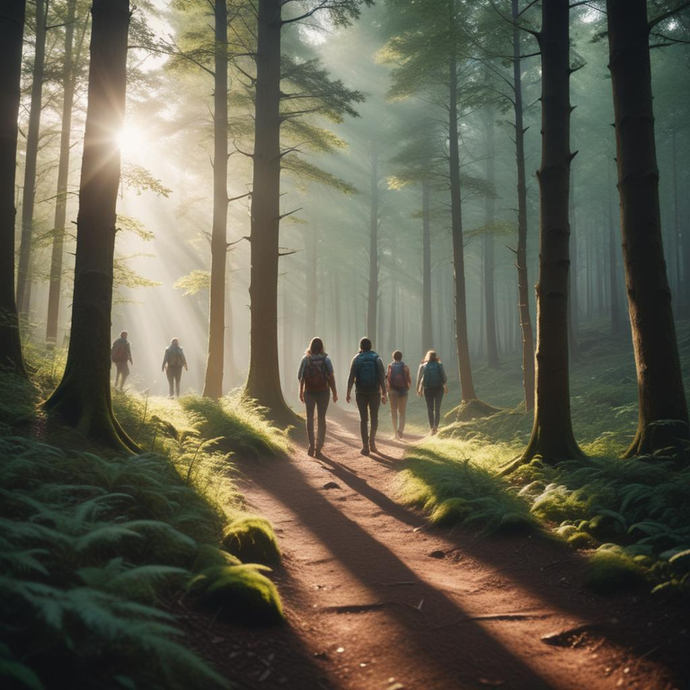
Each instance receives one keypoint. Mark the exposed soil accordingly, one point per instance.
(376, 600)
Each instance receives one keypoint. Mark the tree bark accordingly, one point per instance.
(29, 193)
(312, 296)
(68, 84)
(263, 382)
(489, 260)
(373, 299)
(466, 383)
(616, 324)
(659, 379)
(521, 259)
(427, 330)
(83, 397)
(552, 433)
(573, 294)
(213, 382)
(11, 37)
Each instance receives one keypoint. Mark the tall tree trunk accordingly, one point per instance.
(393, 339)
(263, 383)
(659, 379)
(68, 84)
(213, 382)
(676, 213)
(552, 433)
(573, 294)
(489, 260)
(616, 325)
(466, 383)
(521, 258)
(29, 193)
(11, 36)
(373, 300)
(427, 330)
(83, 397)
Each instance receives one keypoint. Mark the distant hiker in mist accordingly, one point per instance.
(173, 361)
(368, 375)
(316, 382)
(432, 383)
(121, 356)
(399, 383)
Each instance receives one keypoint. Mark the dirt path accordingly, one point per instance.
(374, 600)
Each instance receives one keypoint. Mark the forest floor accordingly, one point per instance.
(376, 599)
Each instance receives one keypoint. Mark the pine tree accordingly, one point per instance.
(11, 37)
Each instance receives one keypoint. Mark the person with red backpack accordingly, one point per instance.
(121, 355)
(316, 382)
(432, 383)
(366, 371)
(399, 382)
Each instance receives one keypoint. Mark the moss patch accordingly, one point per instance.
(252, 540)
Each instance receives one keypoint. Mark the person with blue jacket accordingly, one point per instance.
(432, 383)
(369, 377)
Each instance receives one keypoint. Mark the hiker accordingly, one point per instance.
(173, 361)
(121, 356)
(399, 383)
(316, 382)
(432, 384)
(366, 372)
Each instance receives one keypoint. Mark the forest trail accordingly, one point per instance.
(374, 600)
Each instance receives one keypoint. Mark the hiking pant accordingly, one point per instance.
(121, 372)
(434, 397)
(318, 400)
(398, 406)
(368, 404)
(174, 375)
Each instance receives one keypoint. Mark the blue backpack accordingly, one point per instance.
(432, 375)
(367, 376)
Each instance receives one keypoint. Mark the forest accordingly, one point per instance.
(344, 344)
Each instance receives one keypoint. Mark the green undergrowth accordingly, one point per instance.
(95, 549)
(631, 516)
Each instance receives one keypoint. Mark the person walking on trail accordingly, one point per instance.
(173, 361)
(316, 383)
(368, 375)
(399, 383)
(121, 356)
(432, 383)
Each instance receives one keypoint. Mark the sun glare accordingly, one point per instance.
(131, 141)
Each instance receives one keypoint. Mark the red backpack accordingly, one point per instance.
(315, 375)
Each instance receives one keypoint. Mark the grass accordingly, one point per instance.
(632, 517)
(91, 545)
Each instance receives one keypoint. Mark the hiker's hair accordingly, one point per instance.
(397, 356)
(124, 334)
(315, 347)
(431, 356)
(365, 344)
(174, 341)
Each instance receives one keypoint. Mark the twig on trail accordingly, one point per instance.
(566, 637)
(352, 608)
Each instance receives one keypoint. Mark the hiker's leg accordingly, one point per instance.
(178, 378)
(117, 374)
(394, 399)
(402, 409)
(310, 402)
(123, 375)
(362, 406)
(169, 374)
(429, 397)
(374, 404)
(322, 407)
(439, 400)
